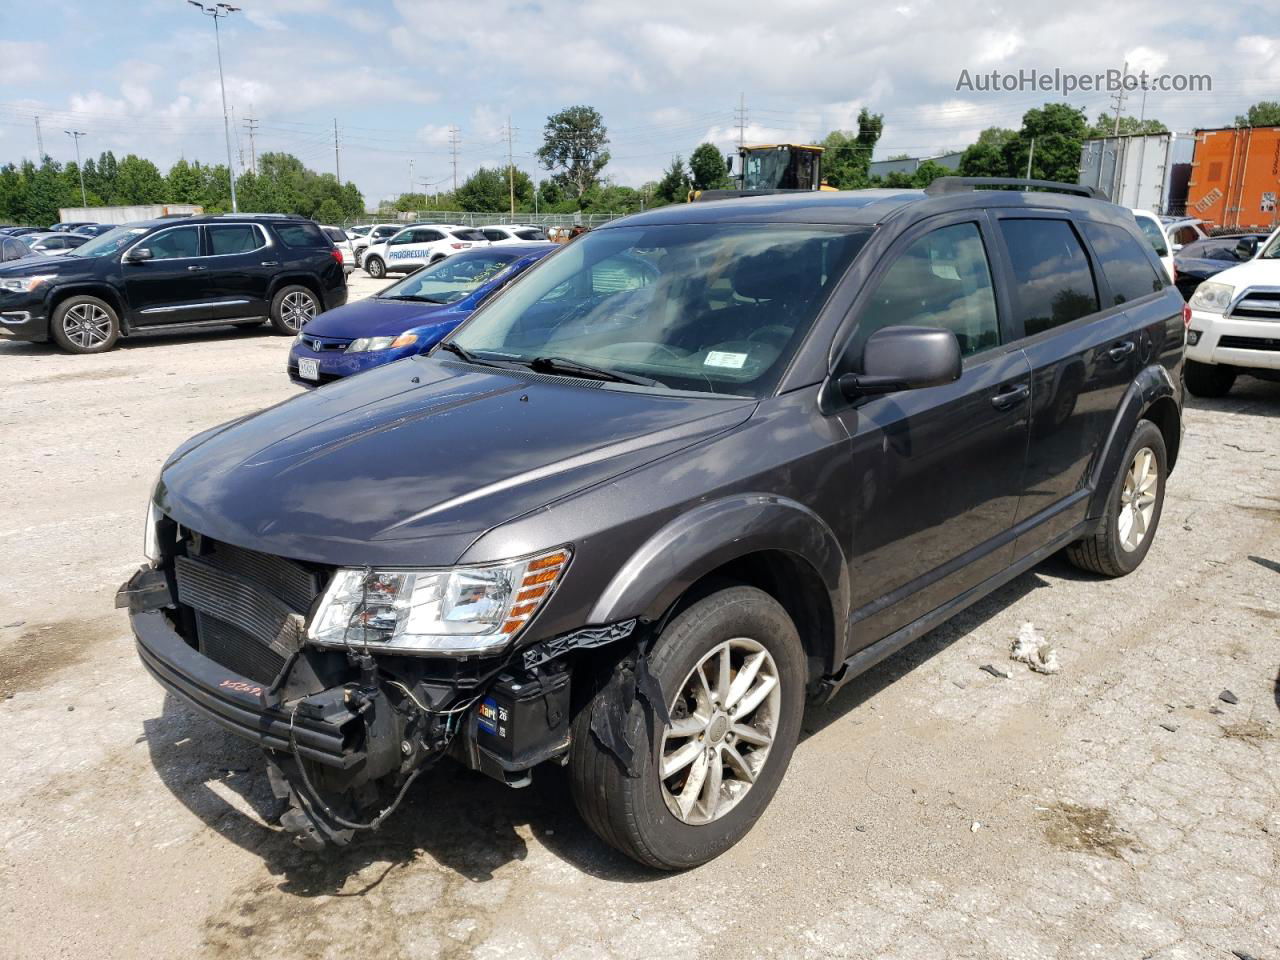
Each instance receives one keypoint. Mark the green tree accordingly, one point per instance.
(12, 193)
(846, 162)
(1129, 126)
(612, 198)
(1057, 131)
(706, 167)
(1264, 113)
(184, 183)
(488, 190)
(927, 172)
(573, 148)
(139, 181)
(674, 185)
(985, 157)
(45, 194)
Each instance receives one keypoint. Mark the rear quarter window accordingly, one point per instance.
(301, 235)
(1124, 262)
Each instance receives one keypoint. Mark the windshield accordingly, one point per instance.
(449, 280)
(1272, 250)
(765, 169)
(110, 242)
(714, 308)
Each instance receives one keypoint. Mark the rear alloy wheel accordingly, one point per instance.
(1133, 509)
(375, 268)
(732, 671)
(1209, 379)
(85, 325)
(292, 308)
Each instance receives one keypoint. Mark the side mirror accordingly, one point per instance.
(138, 254)
(1175, 247)
(728, 164)
(904, 358)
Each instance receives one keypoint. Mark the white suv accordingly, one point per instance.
(419, 245)
(363, 237)
(1235, 324)
(499, 233)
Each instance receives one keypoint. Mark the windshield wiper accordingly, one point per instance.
(578, 368)
(412, 296)
(462, 353)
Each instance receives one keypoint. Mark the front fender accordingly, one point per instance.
(713, 534)
(1152, 385)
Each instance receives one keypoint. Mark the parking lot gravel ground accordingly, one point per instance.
(1117, 809)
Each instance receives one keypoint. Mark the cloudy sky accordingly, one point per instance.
(141, 75)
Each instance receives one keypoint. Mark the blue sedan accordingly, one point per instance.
(408, 317)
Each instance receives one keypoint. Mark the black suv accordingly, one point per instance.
(696, 466)
(195, 272)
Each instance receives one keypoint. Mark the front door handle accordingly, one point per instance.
(1121, 350)
(270, 263)
(193, 267)
(1011, 396)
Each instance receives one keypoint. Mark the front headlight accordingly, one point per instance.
(1213, 297)
(150, 540)
(369, 344)
(457, 611)
(25, 284)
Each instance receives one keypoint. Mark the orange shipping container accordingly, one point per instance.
(1235, 177)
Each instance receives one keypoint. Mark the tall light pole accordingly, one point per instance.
(76, 135)
(218, 11)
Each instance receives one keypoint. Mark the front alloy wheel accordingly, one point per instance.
(723, 722)
(85, 324)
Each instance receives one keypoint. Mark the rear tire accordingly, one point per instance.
(1209, 379)
(85, 324)
(738, 740)
(292, 308)
(1133, 509)
(375, 268)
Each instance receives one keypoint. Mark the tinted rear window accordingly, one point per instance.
(1124, 262)
(531, 235)
(233, 238)
(1053, 280)
(334, 234)
(301, 235)
(466, 234)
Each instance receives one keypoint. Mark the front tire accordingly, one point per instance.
(85, 324)
(292, 308)
(375, 268)
(732, 670)
(1209, 379)
(1133, 509)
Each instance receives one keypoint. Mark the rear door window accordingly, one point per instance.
(941, 280)
(1053, 282)
(1124, 263)
(1151, 230)
(232, 238)
(301, 234)
(531, 235)
(494, 235)
(472, 236)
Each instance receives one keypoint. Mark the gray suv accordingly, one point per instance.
(692, 469)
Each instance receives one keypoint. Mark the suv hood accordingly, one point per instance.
(1251, 273)
(30, 266)
(382, 469)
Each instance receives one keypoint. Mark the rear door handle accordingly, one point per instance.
(1121, 350)
(193, 267)
(270, 263)
(1011, 396)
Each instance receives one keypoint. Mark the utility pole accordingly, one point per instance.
(76, 135)
(1119, 99)
(741, 114)
(511, 168)
(1030, 153)
(454, 140)
(252, 126)
(337, 160)
(411, 180)
(217, 11)
(39, 143)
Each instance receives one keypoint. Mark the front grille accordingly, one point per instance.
(1258, 305)
(249, 608)
(1250, 343)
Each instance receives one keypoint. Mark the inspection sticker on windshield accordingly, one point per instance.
(719, 358)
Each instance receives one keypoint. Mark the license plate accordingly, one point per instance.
(309, 369)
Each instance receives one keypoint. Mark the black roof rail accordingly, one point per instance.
(961, 184)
